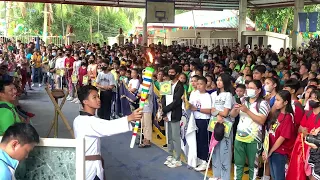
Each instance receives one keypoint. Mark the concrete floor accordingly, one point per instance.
(39, 103)
(121, 162)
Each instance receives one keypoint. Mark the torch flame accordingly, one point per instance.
(150, 57)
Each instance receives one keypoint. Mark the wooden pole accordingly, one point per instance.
(58, 110)
(56, 115)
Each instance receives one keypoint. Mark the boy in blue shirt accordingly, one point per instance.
(16, 144)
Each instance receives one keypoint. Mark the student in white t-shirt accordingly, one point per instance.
(200, 102)
(222, 102)
(134, 82)
(59, 65)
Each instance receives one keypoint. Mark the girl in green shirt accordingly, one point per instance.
(249, 62)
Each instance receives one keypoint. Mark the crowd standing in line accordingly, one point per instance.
(256, 92)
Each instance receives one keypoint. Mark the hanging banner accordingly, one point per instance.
(303, 22)
(313, 21)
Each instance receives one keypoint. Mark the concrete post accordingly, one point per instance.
(242, 21)
(296, 37)
(120, 38)
(145, 32)
(71, 38)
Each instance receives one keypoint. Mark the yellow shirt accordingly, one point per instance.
(36, 61)
(115, 75)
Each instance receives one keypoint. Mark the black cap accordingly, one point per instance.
(218, 131)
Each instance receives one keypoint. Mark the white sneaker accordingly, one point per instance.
(40, 85)
(174, 163)
(201, 167)
(32, 85)
(69, 98)
(168, 160)
(74, 100)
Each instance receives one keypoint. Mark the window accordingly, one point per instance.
(260, 41)
(250, 41)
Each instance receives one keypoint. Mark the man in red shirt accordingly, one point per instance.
(68, 64)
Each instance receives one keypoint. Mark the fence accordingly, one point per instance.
(57, 40)
(194, 41)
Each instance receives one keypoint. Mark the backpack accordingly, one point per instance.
(6, 106)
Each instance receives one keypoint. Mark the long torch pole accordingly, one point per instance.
(146, 84)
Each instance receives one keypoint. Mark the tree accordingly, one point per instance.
(31, 15)
(281, 18)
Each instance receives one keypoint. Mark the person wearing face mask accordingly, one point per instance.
(36, 61)
(253, 114)
(271, 86)
(309, 122)
(68, 63)
(59, 65)
(54, 53)
(172, 113)
(51, 65)
(305, 99)
(105, 83)
(92, 69)
(203, 54)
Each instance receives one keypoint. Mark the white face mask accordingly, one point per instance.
(267, 88)
(251, 93)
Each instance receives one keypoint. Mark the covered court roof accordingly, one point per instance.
(205, 19)
(182, 4)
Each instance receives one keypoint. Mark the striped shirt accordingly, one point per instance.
(249, 131)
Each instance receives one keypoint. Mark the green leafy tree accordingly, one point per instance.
(281, 18)
(31, 15)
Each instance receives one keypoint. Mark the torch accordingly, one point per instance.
(145, 87)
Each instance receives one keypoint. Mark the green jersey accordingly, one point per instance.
(9, 116)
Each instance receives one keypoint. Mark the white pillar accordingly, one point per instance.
(296, 37)
(242, 20)
(145, 32)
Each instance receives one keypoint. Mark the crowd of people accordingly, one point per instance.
(263, 103)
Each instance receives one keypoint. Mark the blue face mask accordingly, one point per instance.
(54, 54)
